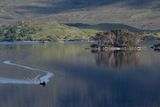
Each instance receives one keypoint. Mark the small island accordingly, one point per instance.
(116, 40)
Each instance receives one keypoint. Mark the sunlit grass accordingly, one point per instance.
(55, 31)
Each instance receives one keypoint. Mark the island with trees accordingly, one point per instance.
(117, 40)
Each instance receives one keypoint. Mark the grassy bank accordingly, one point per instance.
(152, 36)
(37, 31)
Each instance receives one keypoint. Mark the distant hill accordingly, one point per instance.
(110, 26)
(142, 14)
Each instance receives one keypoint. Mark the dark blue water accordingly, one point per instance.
(81, 78)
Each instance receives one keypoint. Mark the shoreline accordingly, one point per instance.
(46, 42)
(139, 48)
(61, 41)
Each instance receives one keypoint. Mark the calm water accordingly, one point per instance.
(80, 78)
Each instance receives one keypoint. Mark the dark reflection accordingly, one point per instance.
(118, 59)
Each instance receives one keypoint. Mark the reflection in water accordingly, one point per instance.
(79, 81)
(118, 59)
(36, 80)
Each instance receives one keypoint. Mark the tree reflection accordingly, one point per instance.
(118, 59)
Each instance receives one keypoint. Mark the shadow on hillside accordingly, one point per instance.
(109, 26)
(53, 6)
(62, 6)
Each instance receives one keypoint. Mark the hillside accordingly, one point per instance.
(43, 31)
(142, 14)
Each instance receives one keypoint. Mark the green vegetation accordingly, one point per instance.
(52, 31)
(60, 32)
(18, 31)
(43, 31)
(152, 35)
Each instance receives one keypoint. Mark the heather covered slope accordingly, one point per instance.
(142, 14)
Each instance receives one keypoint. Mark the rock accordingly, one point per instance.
(94, 46)
(156, 47)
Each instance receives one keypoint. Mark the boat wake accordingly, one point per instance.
(36, 80)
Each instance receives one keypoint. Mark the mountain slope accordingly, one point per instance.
(143, 14)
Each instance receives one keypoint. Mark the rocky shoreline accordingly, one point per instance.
(95, 48)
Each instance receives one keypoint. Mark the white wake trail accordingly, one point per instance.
(35, 80)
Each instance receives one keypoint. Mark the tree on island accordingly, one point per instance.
(118, 38)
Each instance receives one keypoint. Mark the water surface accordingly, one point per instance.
(81, 78)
